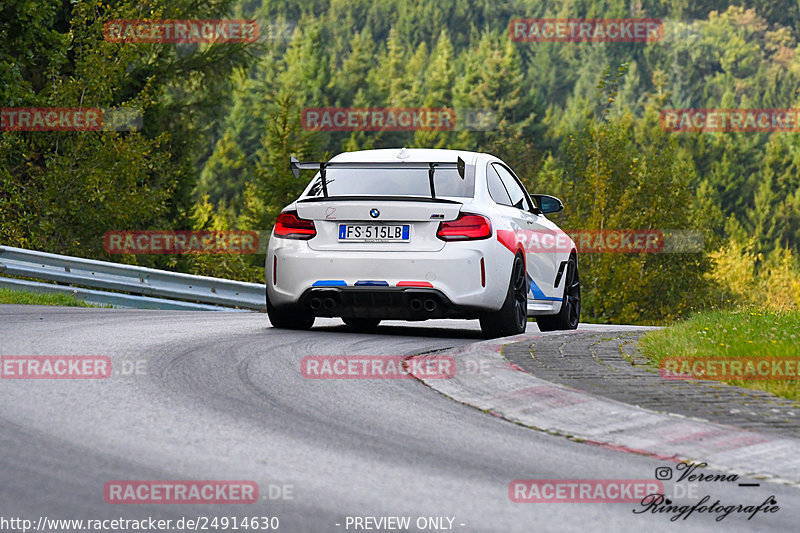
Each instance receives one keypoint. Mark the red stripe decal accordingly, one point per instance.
(508, 239)
(414, 284)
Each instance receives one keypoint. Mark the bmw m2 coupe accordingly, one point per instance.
(413, 234)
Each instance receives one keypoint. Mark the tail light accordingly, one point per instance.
(290, 226)
(467, 227)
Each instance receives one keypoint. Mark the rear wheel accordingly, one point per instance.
(361, 324)
(512, 318)
(289, 317)
(570, 313)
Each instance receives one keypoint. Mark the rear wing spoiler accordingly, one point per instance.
(460, 165)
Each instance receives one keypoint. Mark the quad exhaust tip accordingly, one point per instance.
(417, 305)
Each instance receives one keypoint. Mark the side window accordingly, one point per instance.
(496, 188)
(518, 197)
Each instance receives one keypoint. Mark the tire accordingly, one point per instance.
(512, 318)
(289, 317)
(362, 324)
(570, 313)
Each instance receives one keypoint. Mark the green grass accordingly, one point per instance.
(11, 296)
(744, 333)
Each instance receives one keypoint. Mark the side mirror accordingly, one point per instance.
(547, 203)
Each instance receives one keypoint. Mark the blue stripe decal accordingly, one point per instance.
(372, 283)
(330, 283)
(539, 295)
(405, 232)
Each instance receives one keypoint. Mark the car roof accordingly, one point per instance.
(412, 155)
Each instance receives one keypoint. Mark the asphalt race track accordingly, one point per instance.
(219, 396)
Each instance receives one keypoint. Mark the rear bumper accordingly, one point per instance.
(293, 271)
(389, 303)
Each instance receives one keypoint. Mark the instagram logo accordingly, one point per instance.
(663, 473)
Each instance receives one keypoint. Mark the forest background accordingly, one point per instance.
(576, 120)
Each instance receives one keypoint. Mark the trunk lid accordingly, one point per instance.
(421, 216)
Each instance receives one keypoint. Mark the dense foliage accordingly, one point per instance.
(578, 120)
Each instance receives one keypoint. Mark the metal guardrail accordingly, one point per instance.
(149, 284)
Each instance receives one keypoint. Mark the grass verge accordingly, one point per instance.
(740, 334)
(11, 296)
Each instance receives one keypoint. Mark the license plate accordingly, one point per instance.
(374, 232)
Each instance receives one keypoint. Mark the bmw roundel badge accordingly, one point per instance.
(374, 213)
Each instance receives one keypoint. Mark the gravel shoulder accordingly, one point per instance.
(608, 364)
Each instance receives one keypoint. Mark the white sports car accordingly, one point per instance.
(412, 234)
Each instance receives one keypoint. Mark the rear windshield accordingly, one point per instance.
(393, 182)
